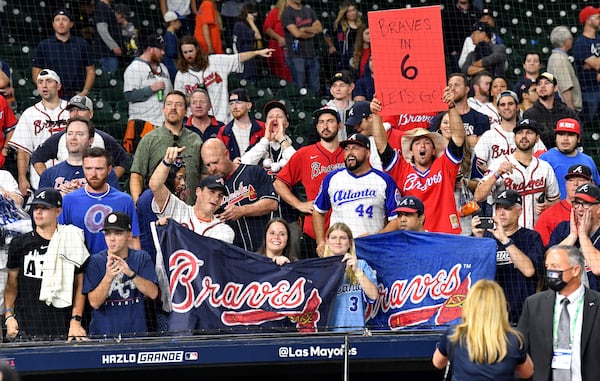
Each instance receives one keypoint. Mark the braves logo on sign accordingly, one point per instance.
(184, 267)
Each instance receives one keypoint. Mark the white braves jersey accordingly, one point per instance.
(184, 214)
(364, 203)
(531, 182)
(495, 143)
(36, 124)
(215, 80)
(139, 75)
(486, 109)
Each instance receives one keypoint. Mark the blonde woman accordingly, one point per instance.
(484, 346)
(360, 283)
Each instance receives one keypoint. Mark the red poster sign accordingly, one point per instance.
(408, 59)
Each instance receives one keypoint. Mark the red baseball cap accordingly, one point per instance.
(587, 12)
(568, 125)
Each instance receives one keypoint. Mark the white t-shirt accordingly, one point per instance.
(215, 79)
(184, 214)
(139, 75)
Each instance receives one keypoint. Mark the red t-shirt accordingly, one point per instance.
(309, 166)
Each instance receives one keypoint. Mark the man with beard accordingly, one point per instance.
(243, 131)
(548, 110)
(250, 199)
(358, 195)
(560, 326)
(426, 168)
(474, 122)
(146, 81)
(308, 167)
(583, 230)
(522, 172)
(87, 207)
(566, 154)
(499, 140)
(151, 149)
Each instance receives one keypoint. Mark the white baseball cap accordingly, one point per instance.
(172, 16)
(47, 73)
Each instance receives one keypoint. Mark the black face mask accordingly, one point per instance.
(554, 279)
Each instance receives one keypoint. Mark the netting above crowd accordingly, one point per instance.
(258, 125)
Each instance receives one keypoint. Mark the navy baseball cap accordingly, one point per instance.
(410, 204)
(275, 104)
(62, 12)
(359, 110)
(481, 26)
(213, 182)
(588, 192)
(155, 41)
(508, 198)
(359, 139)
(344, 76)
(47, 197)
(527, 124)
(579, 170)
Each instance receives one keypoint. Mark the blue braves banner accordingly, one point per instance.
(424, 277)
(210, 285)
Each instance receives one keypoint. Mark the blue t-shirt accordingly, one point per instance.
(123, 310)
(561, 163)
(515, 285)
(464, 369)
(348, 312)
(87, 211)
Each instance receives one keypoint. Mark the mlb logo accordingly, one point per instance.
(190, 356)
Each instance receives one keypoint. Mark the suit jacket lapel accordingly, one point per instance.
(546, 315)
(590, 314)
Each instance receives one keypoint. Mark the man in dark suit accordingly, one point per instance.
(570, 356)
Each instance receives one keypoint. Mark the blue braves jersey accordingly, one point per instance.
(348, 312)
(123, 309)
(88, 210)
(64, 172)
(249, 184)
(362, 202)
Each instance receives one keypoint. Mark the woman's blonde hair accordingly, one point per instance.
(281, 4)
(350, 277)
(484, 327)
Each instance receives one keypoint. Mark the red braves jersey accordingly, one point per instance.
(435, 187)
(309, 165)
(531, 182)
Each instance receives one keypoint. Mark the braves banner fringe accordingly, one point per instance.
(210, 285)
(424, 277)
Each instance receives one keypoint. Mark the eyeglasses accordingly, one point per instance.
(583, 204)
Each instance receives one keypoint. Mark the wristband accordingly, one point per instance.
(76, 317)
(133, 276)
(167, 163)
(283, 141)
(509, 243)
(497, 175)
(11, 310)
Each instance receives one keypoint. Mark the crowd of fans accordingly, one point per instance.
(503, 162)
